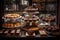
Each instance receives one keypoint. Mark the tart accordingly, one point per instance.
(11, 25)
(11, 16)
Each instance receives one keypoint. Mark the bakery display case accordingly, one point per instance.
(30, 18)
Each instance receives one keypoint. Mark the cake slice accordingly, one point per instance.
(34, 34)
(27, 34)
(18, 31)
(42, 33)
(6, 31)
(12, 31)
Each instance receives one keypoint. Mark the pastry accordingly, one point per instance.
(34, 28)
(42, 33)
(18, 31)
(11, 25)
(11, 16)
(13, 31)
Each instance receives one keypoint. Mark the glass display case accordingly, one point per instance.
(30, 18)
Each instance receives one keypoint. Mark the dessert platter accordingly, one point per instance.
(12, 20)
(12, 17)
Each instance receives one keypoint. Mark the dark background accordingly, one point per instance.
(1, 12)
(59, 13)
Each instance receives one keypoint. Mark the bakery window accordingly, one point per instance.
(27, 18)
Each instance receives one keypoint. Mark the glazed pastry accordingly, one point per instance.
(11, 25)
(34, 28)
(11, 16)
